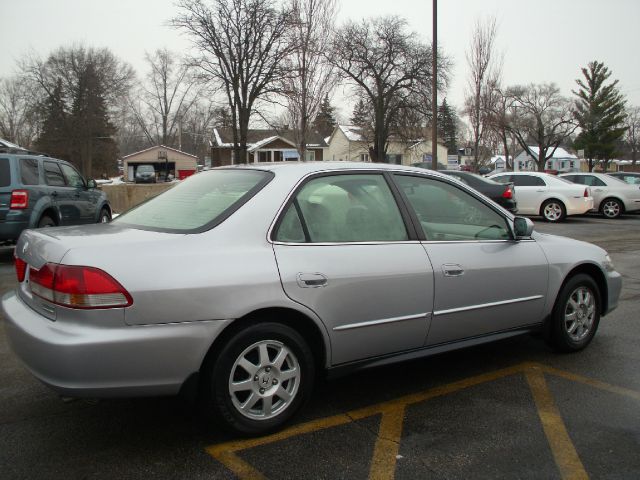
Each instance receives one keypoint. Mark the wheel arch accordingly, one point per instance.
(317, 340)
(50, 212)
(598, 276)
(552, 199)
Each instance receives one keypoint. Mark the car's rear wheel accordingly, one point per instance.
(46, 221)
(105, 216)
(576, 315)
(553, 211)
(259, 379)
(611, 208)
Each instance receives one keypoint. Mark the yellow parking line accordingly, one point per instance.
(562, 448)
(388, 439)
(383, 464)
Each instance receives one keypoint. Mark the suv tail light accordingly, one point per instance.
(508, 193)
(21, 268)
(19, 200)
(78, 287)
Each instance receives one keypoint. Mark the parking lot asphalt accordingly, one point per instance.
(511, 409)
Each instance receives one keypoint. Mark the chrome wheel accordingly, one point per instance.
(579, 313)
(264, 380)
(552, 212)
(611, 208)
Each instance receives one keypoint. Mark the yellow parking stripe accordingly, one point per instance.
(383, 464)
(564, 452)
(389, 435)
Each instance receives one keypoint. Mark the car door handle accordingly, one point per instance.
(311, 280)
(452, 270)
(540, 191)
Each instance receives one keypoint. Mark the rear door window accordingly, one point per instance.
(53, 174)
(29, 173)
(5, 172)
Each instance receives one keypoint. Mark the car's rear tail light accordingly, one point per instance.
(78, 287)
(508, 193)
(21, 268)
(19, 200)
(586, 192)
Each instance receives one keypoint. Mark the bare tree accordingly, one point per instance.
(312, 77)
(632, 136)
(502, 112)
(544, 118)
(18, 111)
(242, 47)
(391, 69)
(168, 94)
(484, 73)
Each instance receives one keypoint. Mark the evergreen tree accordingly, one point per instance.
(53, 138)
(325, 121)
(600, 113)
(94, 149)
(448, 126)
(361, 116)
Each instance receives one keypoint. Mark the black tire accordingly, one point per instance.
(611, 208)
(571, 296)
(222, 369)
(105, 216)
(553, 211)
(46, 221)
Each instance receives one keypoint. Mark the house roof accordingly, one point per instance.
(559, 153)
(159, 147)
(223, 137)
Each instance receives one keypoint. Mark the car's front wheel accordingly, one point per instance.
(576, 315)
(260, 378)
(553, 211)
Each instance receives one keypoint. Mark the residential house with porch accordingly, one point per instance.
(264, 146)
(561, 161)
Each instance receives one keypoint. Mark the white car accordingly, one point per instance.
(612, 196)
(547, 195)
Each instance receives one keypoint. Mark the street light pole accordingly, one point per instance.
(434, 90)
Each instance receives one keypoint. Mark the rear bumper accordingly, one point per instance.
(580, 206)
(81, 359)
(11, 230)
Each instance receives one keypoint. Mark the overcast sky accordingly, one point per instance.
(542, 40)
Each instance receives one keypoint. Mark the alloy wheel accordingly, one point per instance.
(611, 209)
(264, 380)
(579, 313)
(552, 212)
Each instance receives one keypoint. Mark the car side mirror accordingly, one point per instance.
(91, 183)
(522, 227)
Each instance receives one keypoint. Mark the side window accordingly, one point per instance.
(448, 213)
(53, 174)
(502, 178)
(29, 174)
(528, 181)
(74, 179)
(574, 178)
(593, 181)
(344, 208)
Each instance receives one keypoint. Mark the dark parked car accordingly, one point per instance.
(632, 178)
(39, 191)
(501, 193)
(145, 174)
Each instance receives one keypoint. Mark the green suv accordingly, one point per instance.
(38, 191)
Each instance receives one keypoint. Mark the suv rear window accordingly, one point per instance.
(199, 203)
(5, 172)
(29, 171)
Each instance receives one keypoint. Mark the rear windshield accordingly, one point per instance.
(5, 172)
(198, 203)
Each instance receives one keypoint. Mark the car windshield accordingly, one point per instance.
(198, 203)
(145, 169)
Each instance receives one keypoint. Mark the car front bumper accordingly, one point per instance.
(87, 359)
(614, 287)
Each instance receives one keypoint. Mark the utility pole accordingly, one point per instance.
(434, 90)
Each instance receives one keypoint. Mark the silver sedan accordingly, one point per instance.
(249, 282)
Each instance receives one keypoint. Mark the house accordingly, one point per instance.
(347, 143)
(165, 160)
(561, 161)
(264, 146)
